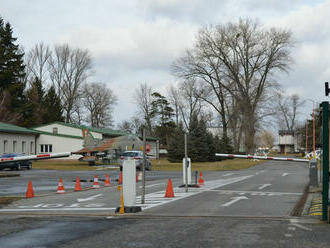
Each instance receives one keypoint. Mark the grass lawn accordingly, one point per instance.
(228, 164)
(157, 165)
(60, 164)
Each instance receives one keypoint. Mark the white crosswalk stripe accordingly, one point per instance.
(158, 199)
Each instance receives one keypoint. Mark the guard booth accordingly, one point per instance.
(325, 160)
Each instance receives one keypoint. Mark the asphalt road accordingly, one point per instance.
(248, 208)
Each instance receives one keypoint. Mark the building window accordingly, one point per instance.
(31, 148)
(55, 130)
(14, 146)
(46, 148)
(23, 146)
(5, 146)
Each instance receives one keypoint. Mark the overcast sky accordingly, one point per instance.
(133, 42)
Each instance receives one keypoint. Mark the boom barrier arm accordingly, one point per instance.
(260, 157)
(37, 157)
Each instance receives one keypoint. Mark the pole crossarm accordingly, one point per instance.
(261, 157)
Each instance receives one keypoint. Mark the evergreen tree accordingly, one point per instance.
(34, 108)
(176, 145)
(11, 67)
(53, 110)
(198, 146)
(164, 113)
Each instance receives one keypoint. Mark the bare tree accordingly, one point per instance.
(99, 102)
(37, 62)
(237, 59)
(186, 100)
(125, 126)
(288, 110)
(267, 139)
(143, 98)
(69, 68)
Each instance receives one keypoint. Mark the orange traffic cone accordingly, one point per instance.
(29, 191)
(96, 183)
(78, 186)
(201, 180)
(169, 189)
(60, 188)
(120, 180)
(107, 180)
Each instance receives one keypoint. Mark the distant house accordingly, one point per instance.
(287, 141)
(58, 137)
(15, 139)
(65, 137)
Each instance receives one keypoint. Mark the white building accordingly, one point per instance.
(287, 141)
(64, 137)
(55, 137)
(15, 139)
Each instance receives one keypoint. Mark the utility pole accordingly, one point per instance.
(313, 130)
(306, 135)
(144, 168)
(325, 159)
(186, 161)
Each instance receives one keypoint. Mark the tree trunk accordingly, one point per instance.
(249, 132)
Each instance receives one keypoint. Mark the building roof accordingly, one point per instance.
(60, 135)
(105, 131)
(10, 128)
(285, 132)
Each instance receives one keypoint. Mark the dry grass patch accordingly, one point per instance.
(58, 164)
(6, 200)
(4, 174)
(228, 164)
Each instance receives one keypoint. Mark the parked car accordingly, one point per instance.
(15, 165)
(137, 156)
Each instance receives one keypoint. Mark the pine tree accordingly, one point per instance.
(164, 113)
(12, 66)
(34, 108)
(176, 145)
(53, 110)
(198, 148)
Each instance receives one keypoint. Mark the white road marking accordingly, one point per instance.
(259, 172)
(285, 174)
(287, 235)
(153, 185)
(54, 209)
(228, 174)
(60, 205)
(264, 186)
(180, 193)
(234, 199)
(291, 228)
(261, 193)
(88, 198)
(305, 221)
(301, 226)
